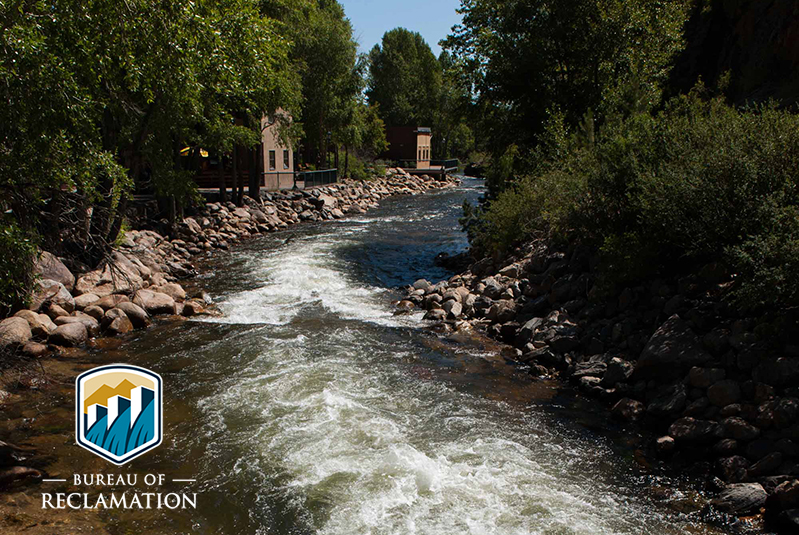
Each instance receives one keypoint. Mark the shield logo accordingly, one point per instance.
(118, 410)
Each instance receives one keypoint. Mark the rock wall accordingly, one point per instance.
(720, 390)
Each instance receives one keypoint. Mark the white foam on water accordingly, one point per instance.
(374, 451)
(299, 275)
(364, 447)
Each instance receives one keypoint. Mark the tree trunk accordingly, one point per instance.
(346, 161)
(255, 175)
(222, 186)
(234, 158)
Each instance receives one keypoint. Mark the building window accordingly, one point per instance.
(285, 159)
(272, 160)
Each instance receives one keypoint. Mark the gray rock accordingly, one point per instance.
(172, 289)
(618, 371)
(732, 469)
(502, 311)
(85, 300)
(14, 332)
(40, 328)
(452, 308)
(437, 314)
(50, 291)
(741, 498)
(724, 393)
(628, 410)
(664, 445)
(154, 302)
(704, 377)
(34, 350)
(91, 324)
(136, 314)
(670, 352)
(564, 344)
(421, 284)
(95, 312)
(779, 371)
(594, 367)
(111, 301)
(493, 289)
(70, 335)
(116, 322)
(768, 465)
(785, 496)
(48, 266)
(739, 429)
(691, 430)
(669, 401)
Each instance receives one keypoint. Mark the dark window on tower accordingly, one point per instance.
(271, 160)
(285, 159)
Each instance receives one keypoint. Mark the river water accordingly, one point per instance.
(311, 408)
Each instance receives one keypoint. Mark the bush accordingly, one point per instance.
(698, 182)
(16, 266)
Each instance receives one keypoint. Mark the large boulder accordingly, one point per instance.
(618, 371)
(136, 314)
(85, 300)
(70, 335)
(116, 322)
(691, 430)
(91, 324)
(14, 332)
(670, 352)
(50, 291)
(154, 303)
(740, 498)
(723, 393)
(40, 328)
(48, 266)
(111, 301)
(172, 289)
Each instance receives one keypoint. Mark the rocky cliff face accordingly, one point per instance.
(756, 41)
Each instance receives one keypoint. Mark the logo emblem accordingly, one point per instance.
(118, 411)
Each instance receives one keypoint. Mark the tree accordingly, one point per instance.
(527, 59)
(90, 114)
(404, 79)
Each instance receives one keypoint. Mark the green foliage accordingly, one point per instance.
(698, 182)
(523, 58)
(404, 79)
(16, 265)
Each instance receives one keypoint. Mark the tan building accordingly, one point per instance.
(270, 165)
(278, 158)
(409, 145)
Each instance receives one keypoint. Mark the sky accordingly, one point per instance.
(372, 18)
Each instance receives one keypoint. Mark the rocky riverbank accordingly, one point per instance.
(720, 389)
(139, 280)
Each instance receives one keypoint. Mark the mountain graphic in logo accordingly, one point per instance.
(118, 411)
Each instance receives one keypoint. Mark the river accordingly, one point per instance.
(309, 407)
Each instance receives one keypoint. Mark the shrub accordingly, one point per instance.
(698, 182)
(16, 265)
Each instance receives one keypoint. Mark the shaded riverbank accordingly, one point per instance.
(309, 407)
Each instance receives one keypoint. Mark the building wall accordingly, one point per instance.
(423, 149)
(278, 164)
